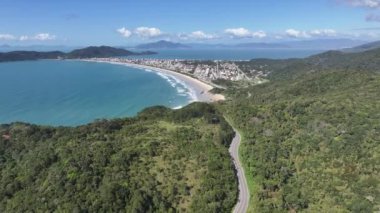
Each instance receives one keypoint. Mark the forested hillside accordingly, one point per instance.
(88, 52)
(159, 161)
(332, 60)
(311, 144)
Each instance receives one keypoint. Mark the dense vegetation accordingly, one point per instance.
(364, 47)
(332, 60)
(312, 143)
(102, 52)
(88, 52)
(159, 161)
(29, 55)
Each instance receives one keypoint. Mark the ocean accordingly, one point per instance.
(71, 93)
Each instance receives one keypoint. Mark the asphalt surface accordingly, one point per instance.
(242, 204)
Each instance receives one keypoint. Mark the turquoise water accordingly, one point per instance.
(71, 93)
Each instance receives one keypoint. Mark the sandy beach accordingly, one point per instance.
(198, 87)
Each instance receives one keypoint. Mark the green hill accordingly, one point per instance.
(364, 47)
(29, 55)
(102, 52)
(292, 68)
(159, 161)
(312, 143)
(88, 52)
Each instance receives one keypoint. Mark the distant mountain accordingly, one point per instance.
(29, 55)
(330, 60)
(324, 44)
(254, 45)
(364, 47)
(162, 45)
(320, 44)
(103, 52)
(88, 52)
(208, 46)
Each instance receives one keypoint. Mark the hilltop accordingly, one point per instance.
(88, 52)
(103, 52)
(364, 47)
(291, 68)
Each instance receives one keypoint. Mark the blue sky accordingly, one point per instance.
(124, 22)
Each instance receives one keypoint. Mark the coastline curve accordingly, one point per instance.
(201, 90)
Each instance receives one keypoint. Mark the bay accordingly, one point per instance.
(69, 93)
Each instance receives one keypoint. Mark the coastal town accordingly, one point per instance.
(207, 71)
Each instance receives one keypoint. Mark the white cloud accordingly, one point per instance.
(200, 35)
(292, 33)
(38, 37)
(296, 33)
(259, 34)
(370, 35)
(364, 3)
(196, 35)
(44, 37)
(323, 33)
(238, 32)
(142, 32)
(24, 38)
(182, 36)
(244, 33)
(147, 32)
(7, 37)
(124, 32)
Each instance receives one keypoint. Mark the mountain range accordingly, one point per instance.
(318, 44)
(364, 47)
(321, 44)
(107, 51)
(367, 60)
(162, 45)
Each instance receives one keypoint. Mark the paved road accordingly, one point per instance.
(242, 205)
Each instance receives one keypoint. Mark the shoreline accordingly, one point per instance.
(198, 87)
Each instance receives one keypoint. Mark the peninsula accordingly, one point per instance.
(88, 52)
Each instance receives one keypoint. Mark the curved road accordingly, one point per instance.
(242, 204)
